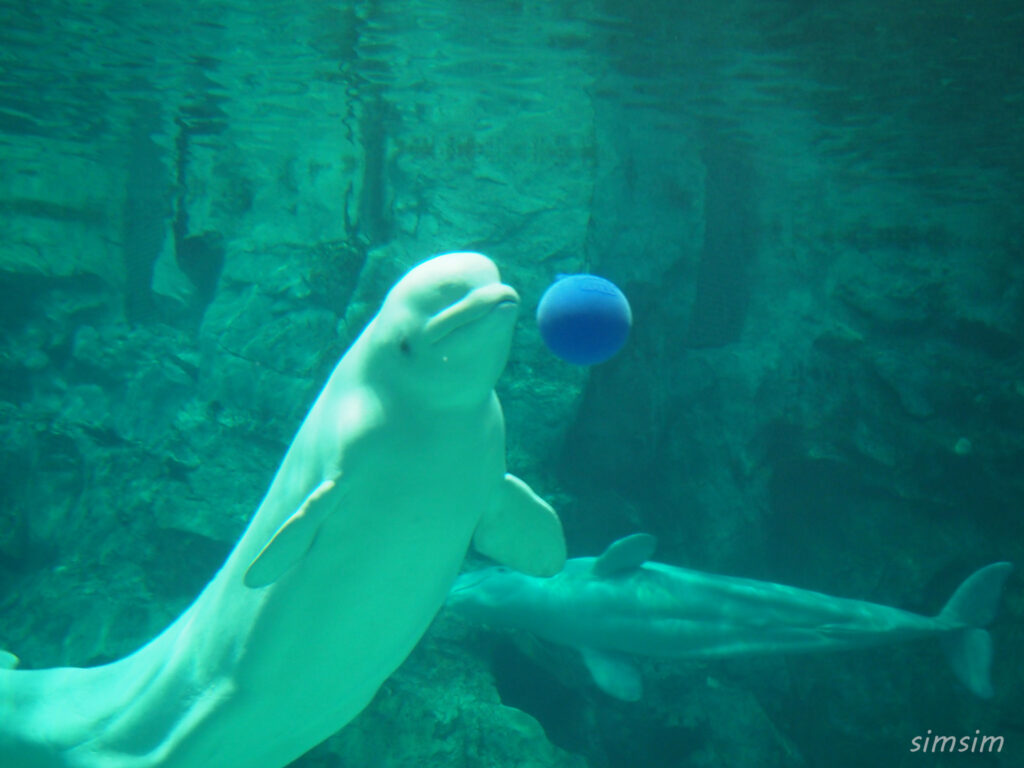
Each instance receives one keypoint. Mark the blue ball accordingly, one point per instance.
(584, 319)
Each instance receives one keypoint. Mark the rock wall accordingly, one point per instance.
(824, 386)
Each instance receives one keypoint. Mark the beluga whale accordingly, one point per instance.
(396, 469)
(622, 604)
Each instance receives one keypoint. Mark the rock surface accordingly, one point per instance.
(824, 385)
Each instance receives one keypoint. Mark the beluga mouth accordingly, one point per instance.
(474, 305)
(467, 580)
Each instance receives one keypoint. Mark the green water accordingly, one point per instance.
(815, 210)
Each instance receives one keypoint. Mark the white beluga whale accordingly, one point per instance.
(621, 604)
(399, 464)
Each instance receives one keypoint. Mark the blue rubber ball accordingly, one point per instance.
(584, 319)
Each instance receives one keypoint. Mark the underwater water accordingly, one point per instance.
(816, 211)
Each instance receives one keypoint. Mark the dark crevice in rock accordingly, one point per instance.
(525, 685)
(375, 218)
(730, 242)
(199, 256)
(147, 206)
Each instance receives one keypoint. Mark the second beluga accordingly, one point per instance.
(622, 604)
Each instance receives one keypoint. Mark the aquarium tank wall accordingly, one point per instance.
(815, 210)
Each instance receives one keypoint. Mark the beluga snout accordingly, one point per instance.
(478, 303)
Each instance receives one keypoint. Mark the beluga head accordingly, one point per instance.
(444, 331)
(482, 593)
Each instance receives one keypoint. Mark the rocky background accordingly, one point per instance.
(815, 211)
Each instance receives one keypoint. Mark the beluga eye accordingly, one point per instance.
(405, 346)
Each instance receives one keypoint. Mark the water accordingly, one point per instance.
(814, 208)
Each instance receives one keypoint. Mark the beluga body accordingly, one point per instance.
(397, 467)
(622, 604)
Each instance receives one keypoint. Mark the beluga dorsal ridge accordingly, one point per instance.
(398, 465)
(622, 604)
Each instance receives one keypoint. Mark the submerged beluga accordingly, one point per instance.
(623, 604)
(399, 464)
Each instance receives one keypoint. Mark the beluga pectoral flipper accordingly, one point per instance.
(292, 540)
(521, 530)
